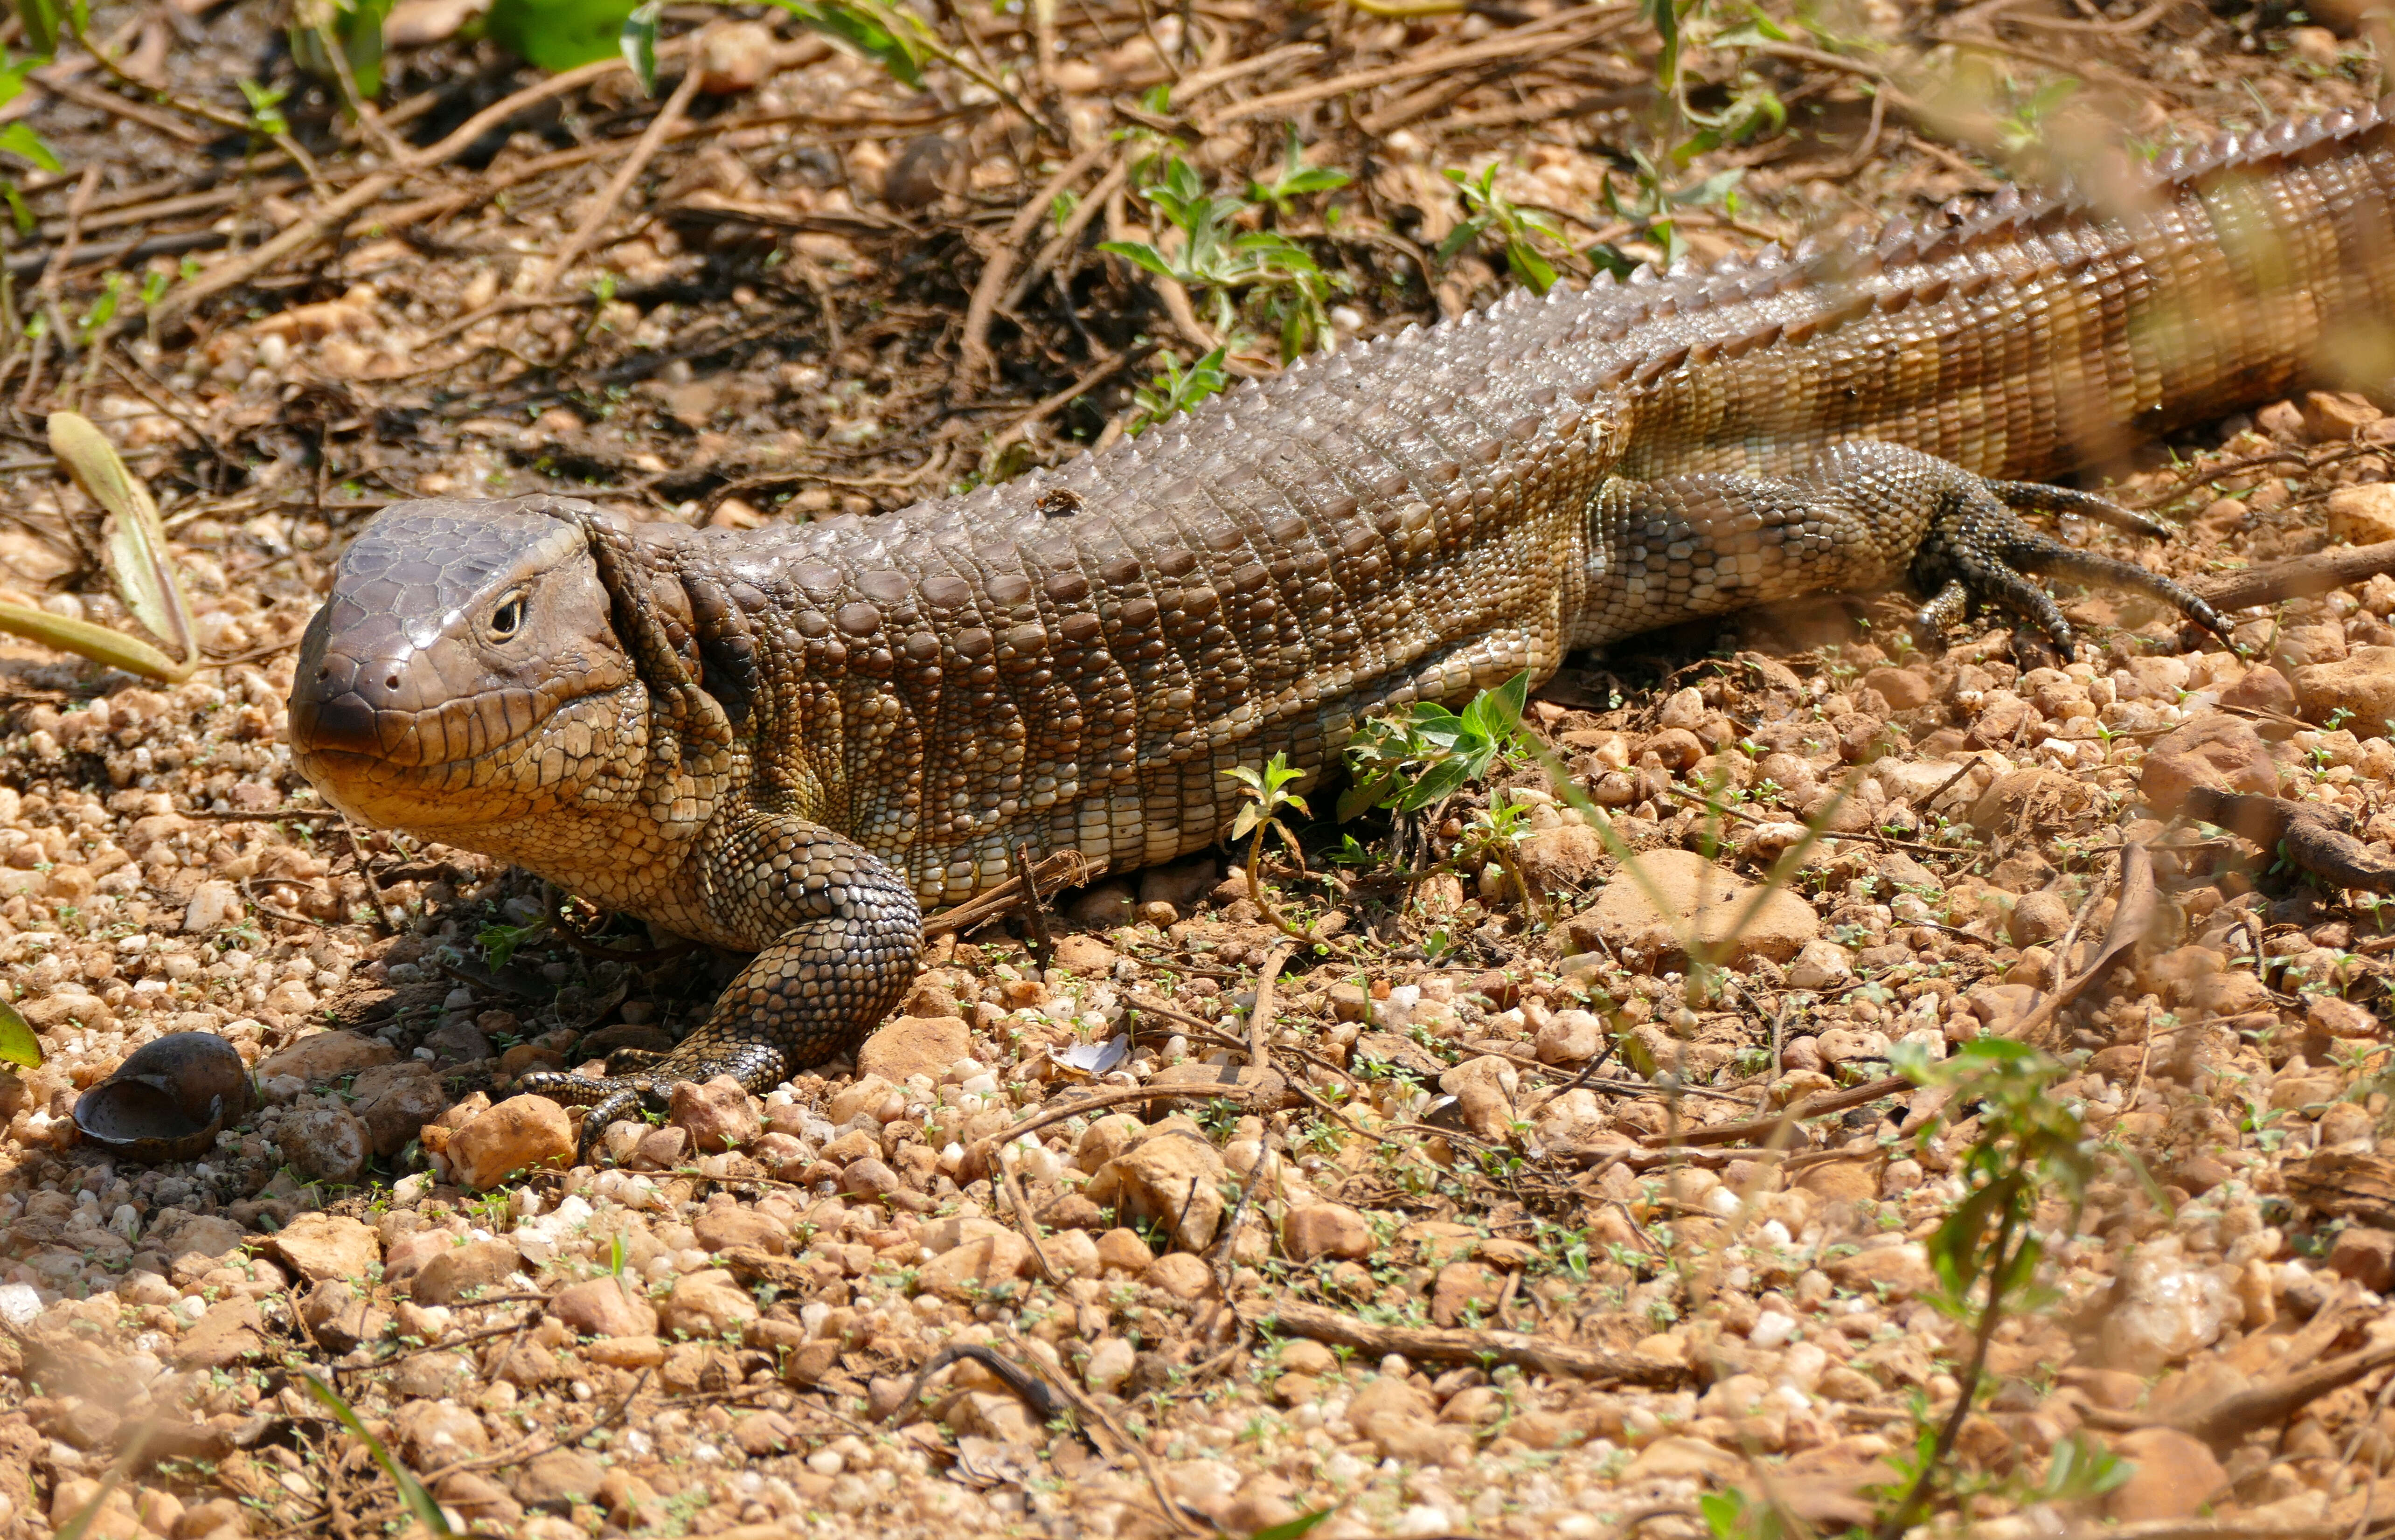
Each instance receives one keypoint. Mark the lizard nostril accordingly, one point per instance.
(391, 684)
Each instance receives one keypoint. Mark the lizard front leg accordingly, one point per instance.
(846, 932)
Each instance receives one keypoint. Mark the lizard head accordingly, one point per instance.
(464, 673)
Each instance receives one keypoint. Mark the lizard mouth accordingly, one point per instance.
(335, 718)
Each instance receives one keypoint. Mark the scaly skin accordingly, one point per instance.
(787, 740)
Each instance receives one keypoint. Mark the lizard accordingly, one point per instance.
(790, 740)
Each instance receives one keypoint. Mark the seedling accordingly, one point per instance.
(2030, 1147)
(1214, 256)
(1268, 793)
(1407, 764)
(1520, 229)
(1174, 390)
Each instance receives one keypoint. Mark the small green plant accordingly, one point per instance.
(1521, 230)
(1405, 764)
(1294, 179)
(266, 119)
(1174, 390)
(1214, 256)
(1648, 209)
(1267, 794)
(500, 943)
(1495, 834)
(2030, 1146)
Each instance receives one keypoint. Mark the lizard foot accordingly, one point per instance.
(1978, 549)
(848, 934)
(646, 1084)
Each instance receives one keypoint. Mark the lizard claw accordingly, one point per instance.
(1978, 550)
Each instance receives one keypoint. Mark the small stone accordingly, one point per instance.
(2216, 751)
(717, 1115)
(2166, 1307)
(1483, 1089)
(1320, 1230)
(707, 1302)
(661, 1148)
(433, 1433)
(1111, 1360)
(626, 1352)
(2038, 918)
(870, 1178)
(604, 1308)
(1181, 1275)
(913, 1045)
(736, 57)
(520, 1133)
(477, 1498)
(2262, 689)
(2365, 1255)
(453, 1273)
(1840, 1181)
(395, 1100)
(324, 1144)
(1821, 964)
(1691, 885)
(2362, 515)
(723, 1228)
(975, 1268)
(1677, 1457)
(212, 904)
(326, 1057)
(1563, 857)
(1171, 1174)
(558, 1479)
(763, 1433)
(1463, 1290)
(1086, 955)
(226, 1333)
(1895, 1273)
(2172, 1476)
(1122, 1250)
(1903, 689)
(320, 1246)
(1570, 1037)
(2361, 685)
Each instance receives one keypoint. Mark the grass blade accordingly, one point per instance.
(138, 557)
(98, 643)
(411, 1490)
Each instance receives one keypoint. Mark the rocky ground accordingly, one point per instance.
(1487, 1210)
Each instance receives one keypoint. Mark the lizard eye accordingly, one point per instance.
(508, 618)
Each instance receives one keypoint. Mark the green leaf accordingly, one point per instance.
(638, 41)
(861, 29)
(19, 139)
(41, 20)
(18, 1043)
(1534, 270)
(1440, 781)
(559, 34)
(1140, 253)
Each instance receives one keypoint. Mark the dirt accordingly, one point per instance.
(1436, 1268)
